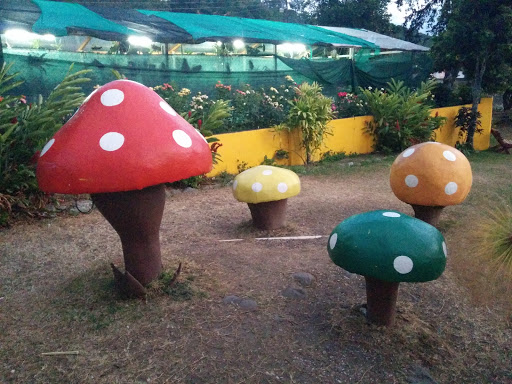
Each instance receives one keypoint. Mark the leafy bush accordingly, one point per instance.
(401, 116)
(24, 129)
(463, 122)
(310, 112)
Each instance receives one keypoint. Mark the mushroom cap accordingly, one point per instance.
(431, 174)
(389, 246)
(123, 137)
(265, 183)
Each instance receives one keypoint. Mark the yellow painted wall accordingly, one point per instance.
(249, 148)
(448, 134)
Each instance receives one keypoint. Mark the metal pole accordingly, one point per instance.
(275, 57)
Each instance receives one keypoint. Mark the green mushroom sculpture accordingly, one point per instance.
(387, 248)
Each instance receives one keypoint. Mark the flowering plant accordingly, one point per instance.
(401, 116)
(349, 105)
(178, 99)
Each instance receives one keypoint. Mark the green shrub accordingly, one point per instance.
(310, 112)
(401, 116)
(24, 129)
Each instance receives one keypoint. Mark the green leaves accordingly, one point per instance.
(401, 116)
(26, 127)
(310, 112)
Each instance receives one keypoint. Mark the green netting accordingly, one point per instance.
(213, 27)
(57, 18)
(365, 70)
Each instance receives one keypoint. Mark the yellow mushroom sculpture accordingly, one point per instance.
(430, 176)
(266, 190)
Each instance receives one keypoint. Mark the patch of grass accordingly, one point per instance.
(331, 156)
(91, 298)
(495, 237)
(179, 288)
(335, 166)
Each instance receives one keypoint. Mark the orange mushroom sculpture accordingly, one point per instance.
(121, 146)
(430, 176)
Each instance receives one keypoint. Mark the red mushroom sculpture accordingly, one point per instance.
(121, 146)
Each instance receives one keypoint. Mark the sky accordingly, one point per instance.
(397, 15)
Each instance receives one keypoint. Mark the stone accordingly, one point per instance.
(294, 293)
(73, 211)
(84, 206)
(248, 304)
(231, 299)
(304, 279)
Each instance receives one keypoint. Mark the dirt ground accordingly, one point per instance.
(57, 295)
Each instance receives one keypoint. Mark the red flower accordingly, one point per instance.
(342, 94)
(199, 123)
(1, 98)
(189, 113)
(397, 126)
(14, 120)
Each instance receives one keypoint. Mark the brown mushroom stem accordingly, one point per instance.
(268, 215)
(381, 301)
(136, 216)
(429, 214)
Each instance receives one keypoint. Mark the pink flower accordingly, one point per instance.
(342, 94)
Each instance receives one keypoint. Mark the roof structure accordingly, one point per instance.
(61, 19)
(382, 41)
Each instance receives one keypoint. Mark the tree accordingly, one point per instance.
(369, 14)
(476, 38)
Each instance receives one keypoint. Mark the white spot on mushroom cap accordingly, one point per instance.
(47, 147)
(257, 187)
(449, 155)
(267, 172)
(111, 141)
(403, 264)
(411, 181)
(235, 184)
(112, 97)
(408, 152)
(333, 240)
(282, 187)
(167, 108)
(445, 249)
(391, 214)
(450, 188)
(181, 138)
